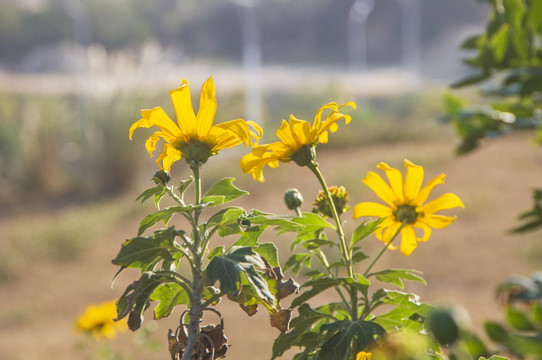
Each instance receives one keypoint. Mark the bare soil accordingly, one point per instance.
(462, 264)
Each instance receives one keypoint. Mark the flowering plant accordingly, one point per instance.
(248, 272)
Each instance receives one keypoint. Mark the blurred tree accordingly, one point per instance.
(507, 60)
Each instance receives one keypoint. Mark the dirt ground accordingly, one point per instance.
(462, 264)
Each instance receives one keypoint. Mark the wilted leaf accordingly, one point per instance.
(280, 319)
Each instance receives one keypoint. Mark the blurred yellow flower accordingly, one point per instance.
(405, 205)
(98, 320)
(362, 355)
(297, 141)
(194, 137)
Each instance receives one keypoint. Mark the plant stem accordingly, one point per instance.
(340, 231)
(383, 250)
(196, 307)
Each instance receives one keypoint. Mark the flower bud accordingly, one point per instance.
(305, 155)
(340, 198)
(293, 199)
(161, 177)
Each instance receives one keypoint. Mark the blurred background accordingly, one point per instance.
(74, 75)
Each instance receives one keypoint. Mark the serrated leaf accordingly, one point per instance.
(164, 216)
(144, 253)
(250, 236)
(360, 333)
(269, 252)
(169, 296)
(261, 218)
(228, 269)
(312, 222)
(136, 297)
(364, 230)
(157, 191)
(222, 192)
(396, 276)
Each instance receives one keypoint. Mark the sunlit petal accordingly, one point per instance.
(437, 221)
(155, 117)
(426, 230)
(182, 102)
(426, 190)
(408, 240)
(284, 133)
(443, 202)
(395, 178)
(168, 156)
(207, 108)
(381, 188)
(390, 232)
(371, 209)
(413, 180)
(301, 131)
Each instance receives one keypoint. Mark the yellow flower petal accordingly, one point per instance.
(426, 190)
(371, 209)
(413, 180)
(284, 133)
(182, 102)
(362, 355)
(168, 156)
(443, 202)
(380, 188)
(155, 117)
(207, 108)
(301, 131)
(408, 240)
(426, 230)
(437, 221)
(395, 178)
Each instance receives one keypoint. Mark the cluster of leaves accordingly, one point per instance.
(508, 56)
(340, 329)
(247, 272)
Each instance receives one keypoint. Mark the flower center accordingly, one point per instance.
(195, 150)
(406, 214)
(305, 155)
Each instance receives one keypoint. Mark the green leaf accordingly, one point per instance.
(250, 236)
(222, 192)
(346, 333)
(296, 262)
(157, 192)
(219, 250)
(261, 218)
(472, 79)
(364, 230)
(499, 41)
(169, 296)
(269, 252)
(136, 297)
(396, 276)
(226, 216)
(228, 268)
(312, 222)
(496, 332)
(164, 216)
(518, 319)
(146, 252)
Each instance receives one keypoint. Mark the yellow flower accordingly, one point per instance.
(194, 137)
(98, 320)
(297, 141)
(362, 355)
(405, 205)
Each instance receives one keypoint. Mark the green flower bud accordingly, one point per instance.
(161, 177)
(305, 155)
(293, 199)
(340, 198)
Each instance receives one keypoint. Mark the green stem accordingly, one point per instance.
(383, 250)
(340, 231)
